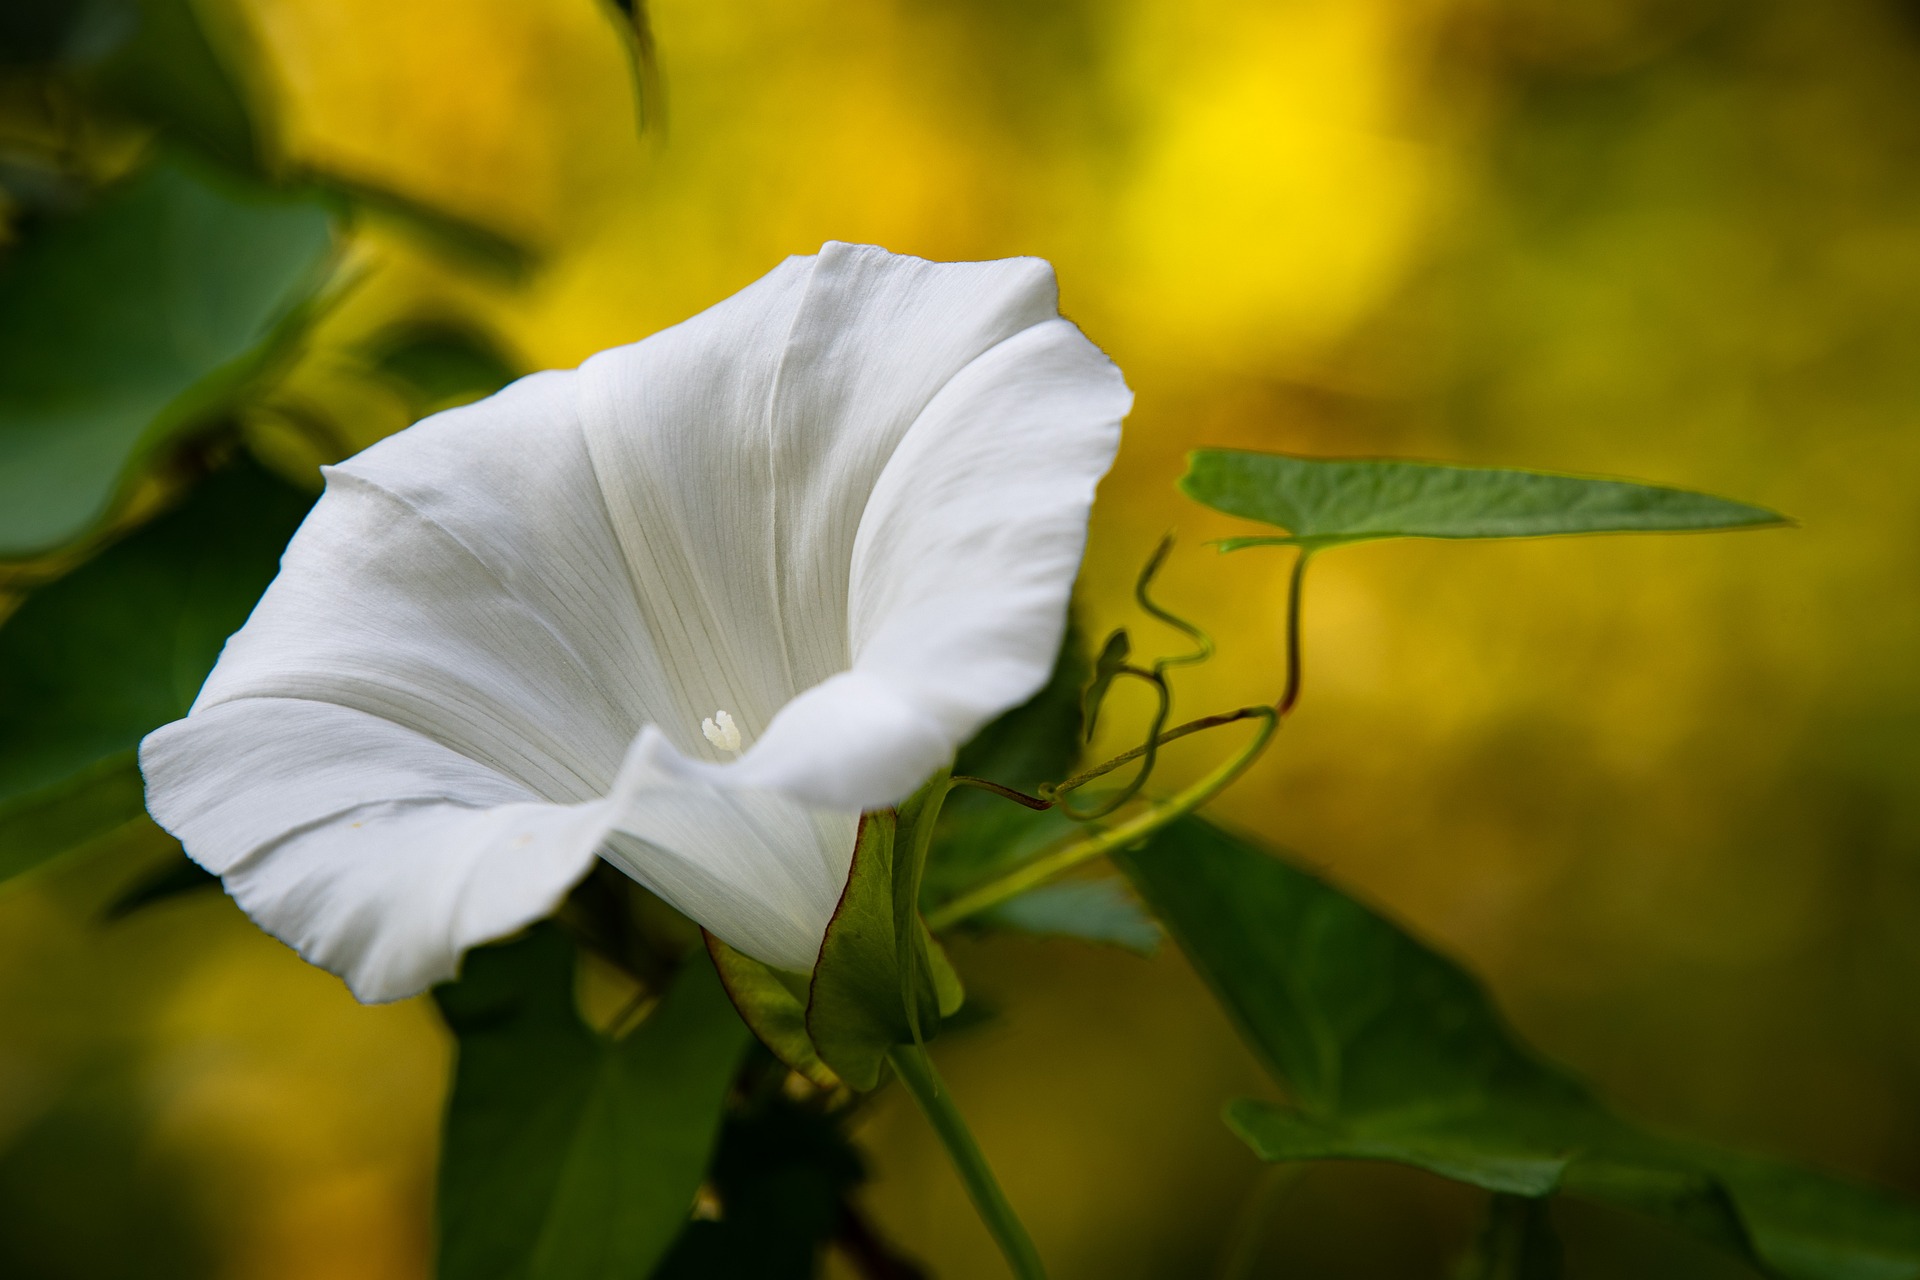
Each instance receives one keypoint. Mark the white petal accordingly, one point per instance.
(461, 580)
(736, 452)
(960, 577)
(758, 868)
(373, 851)
(971, 541)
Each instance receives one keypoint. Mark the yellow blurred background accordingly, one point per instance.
(1664, 794)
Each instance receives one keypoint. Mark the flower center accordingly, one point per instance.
(721, 731)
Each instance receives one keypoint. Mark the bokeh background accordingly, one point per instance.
(1664, 794)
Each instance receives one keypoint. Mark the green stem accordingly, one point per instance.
(1295, 585)
(1145, 823)
(917, 1074)
(1242, 1257)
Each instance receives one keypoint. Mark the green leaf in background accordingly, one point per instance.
(1518, 1243)
(36, 32)
(457, 237)
(1326, 501)
(1100, 911)
(440, 365)
(180, 70)
(91, 663)
(782, 1177)
(649, 90)
(131, 324)
(178, 878)
(46, 823)
(567, 1155)
(1391, 1052)
(877, 949)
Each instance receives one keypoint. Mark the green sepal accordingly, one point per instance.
(773, 1004)
(881, 979)
(1327, 501)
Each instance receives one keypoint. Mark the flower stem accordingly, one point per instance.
(1139, 827)
(917, 1074)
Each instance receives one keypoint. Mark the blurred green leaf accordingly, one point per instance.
(179, 71)
(773, 1004)
(643, 58)
(454, 236)
(38, 32)
(781, 1177)
(86, 1192)
(876, 949)
(440, 365)
(91, 663)
(46, 823)
(1517, 1243)
(1099, 911)
(1391, 1052)
(1326, 501)
(567, 1155)
(178, 878)
(132, 324)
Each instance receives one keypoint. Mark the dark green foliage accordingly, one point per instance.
(1391, 1052)
(567, 1155)
(781, 1176)
(133, 324)
(1324, 501)
(441, 364)
(84, 1197)
(90, 663)
(93, 662)
(68, 814)
(1517, 1243)
(177, 878)
(177, 70)
(1086, 910)
(37, 32)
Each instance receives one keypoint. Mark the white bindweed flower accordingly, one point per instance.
(690, 608)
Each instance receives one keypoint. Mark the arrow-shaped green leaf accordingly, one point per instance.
(1325, 501)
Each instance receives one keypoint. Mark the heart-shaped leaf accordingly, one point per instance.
(568, 1155)
(141, 320)
(1390, 1052)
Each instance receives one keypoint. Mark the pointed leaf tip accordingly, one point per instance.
(1326, 501)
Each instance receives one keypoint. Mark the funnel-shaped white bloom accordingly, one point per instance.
(691, 607)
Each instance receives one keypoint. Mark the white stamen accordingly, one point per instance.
(721, 731)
